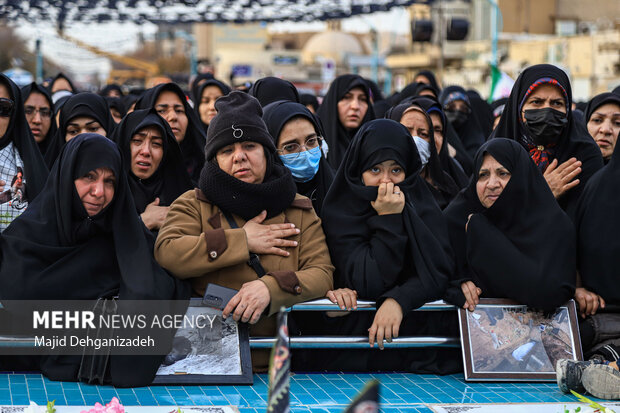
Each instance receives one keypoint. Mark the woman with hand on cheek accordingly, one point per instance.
(389, 243)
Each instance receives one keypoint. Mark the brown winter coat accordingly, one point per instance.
(197, 243)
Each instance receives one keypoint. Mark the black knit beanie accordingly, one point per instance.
(238, 119)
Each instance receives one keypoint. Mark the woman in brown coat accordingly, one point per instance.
(246, 207)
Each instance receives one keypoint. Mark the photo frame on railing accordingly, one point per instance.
(208, 350)
(503, 340)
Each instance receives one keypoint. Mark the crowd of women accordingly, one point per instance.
(427, 194)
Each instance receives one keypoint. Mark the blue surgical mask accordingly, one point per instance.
(303, 165)
(424, 149)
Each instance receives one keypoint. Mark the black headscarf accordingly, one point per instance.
(309, 99)
(224, 88)
(336, 135)
(196, 84)
(192, 146)
(170, 179)
(409, 91)
(54, 251)
(108, 88)
(63, 76)
(598, 101)
(271, 89)
(470, 133)
(18, 133)
(82, 104)
(34, 88)
(524, 240)
(575, 141)
(616, 90)
(451, 166)
(498, 107)
(431, 78)
(597, 225)
(276, 115)
(401, 256)
(116, 103)
(443, 187)
(375, 93)
(482, 110)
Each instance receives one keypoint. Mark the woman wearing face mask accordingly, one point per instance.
(298, 136)
(208, 92)
(18, 153)
(538, 116)
(157, 174)
(82, 113)
(509, 235)
(39, 109)
(419, 124)
(171, 104)
(344, 109)
(80, 239)
(61, 83)
(458, 110)
(246, 207)
(448, 155)
(388, 239)
(603, 122)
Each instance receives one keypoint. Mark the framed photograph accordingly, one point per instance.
(502, 340)
(207, 350)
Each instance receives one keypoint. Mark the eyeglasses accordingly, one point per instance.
(6, 107)
(44, 112)
(295, 148)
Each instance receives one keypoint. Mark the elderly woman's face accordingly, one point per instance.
(245, 161)
(415, 121)
(604, 126)
(384, 172)
(492, 179)
(96, 190)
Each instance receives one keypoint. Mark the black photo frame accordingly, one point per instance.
(204, 359)
(505, 341)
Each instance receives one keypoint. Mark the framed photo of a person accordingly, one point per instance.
(207, 350)
(503, 340)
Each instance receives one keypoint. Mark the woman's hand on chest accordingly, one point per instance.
(269, 238)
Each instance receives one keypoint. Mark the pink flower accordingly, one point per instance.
(113, 407)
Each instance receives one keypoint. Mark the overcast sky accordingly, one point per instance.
(122, 38)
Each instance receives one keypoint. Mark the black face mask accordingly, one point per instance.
(545, 126)
(456, 117)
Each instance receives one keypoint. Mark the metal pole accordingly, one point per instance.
(37, 46)
(193, 60)
(494, 60)
(441, 41)
(375, 55)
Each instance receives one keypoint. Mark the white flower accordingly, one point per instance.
(34, 408)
